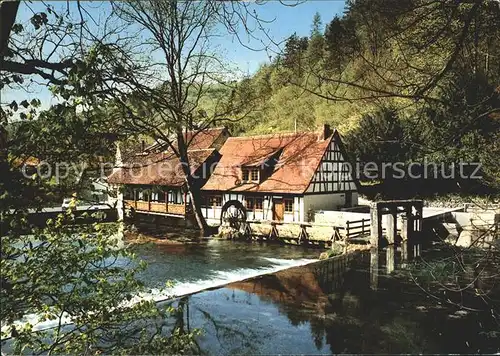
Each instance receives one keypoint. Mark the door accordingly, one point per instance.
(279, 210)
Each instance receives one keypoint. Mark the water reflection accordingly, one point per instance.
(390, 257)
(394, 257)
(374, 268)
(360, 307)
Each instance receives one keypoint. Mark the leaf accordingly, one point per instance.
(35, 102)
(13, 105)
(17, 28)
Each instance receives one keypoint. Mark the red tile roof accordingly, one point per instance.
(299, 157)
(164, 168)
(158, 168)
(195, 139)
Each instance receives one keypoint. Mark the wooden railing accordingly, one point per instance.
(354, 231)
(155, 207)
(357, 228)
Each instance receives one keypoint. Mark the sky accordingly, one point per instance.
(286, 21)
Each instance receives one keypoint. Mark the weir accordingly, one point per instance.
(211, 266)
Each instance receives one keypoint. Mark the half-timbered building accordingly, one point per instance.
(152, 181)
(281, 177)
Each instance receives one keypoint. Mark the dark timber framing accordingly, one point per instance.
(337, 172)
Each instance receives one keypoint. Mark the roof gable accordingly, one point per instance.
(298, 159)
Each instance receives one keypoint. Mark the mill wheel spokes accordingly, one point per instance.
(234, 216)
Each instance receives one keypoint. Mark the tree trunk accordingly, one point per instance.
(8, 12)
(195, 197)
(192, 188)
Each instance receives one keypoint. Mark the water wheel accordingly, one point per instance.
(234, 215)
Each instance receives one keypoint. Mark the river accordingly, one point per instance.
(251, 298)
(294, 309)
(194, 267)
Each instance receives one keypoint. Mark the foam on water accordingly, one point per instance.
(179, 289)
(222, 278)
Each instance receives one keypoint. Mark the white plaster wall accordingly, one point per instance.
(339, 218)
(329, 201)
(268, 208)
(302, 210)
(355, 197)
(212, 215)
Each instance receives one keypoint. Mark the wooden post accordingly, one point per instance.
(166, 200)
(375, 225)
(150, 193)
(404, 253)
(407, 226)
(347, 229)
(419, 217)
(391, 227)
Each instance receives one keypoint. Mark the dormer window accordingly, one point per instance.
(254, 175)
(250, 174)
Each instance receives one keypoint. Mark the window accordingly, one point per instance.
(172, 197)
(160, 196)
(142, 195)
(249, 204)
(253, 203)
(258, 203)
(214, 201)
(288, 205)
(246, 174)
(250, 175)
(255, 175)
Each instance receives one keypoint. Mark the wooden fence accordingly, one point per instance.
(357, 228)
(306, 232)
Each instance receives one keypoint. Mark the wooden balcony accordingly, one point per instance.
(155, 207)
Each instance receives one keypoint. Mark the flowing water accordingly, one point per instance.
(250, 298)
(191, 268)
(370, 306)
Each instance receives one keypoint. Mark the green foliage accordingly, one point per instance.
(379, 138)
(78, 277)
(461, 127)
(431, 64)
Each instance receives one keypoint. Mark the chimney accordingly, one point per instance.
(325, 131)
